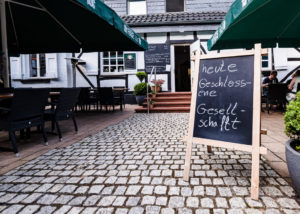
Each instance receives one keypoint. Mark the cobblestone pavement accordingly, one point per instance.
(136, 166)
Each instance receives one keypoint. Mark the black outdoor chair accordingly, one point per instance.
(84, 101)
(27, 110)
(63, 109)
(120, 97)
(276, 95)
(106, 98)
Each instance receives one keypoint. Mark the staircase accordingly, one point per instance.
(168, 102)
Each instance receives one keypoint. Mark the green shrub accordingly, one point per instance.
(141, 89)
(292, 119)
(141, 76)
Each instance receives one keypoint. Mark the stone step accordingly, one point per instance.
(171, 99)
(170, 104)
(164, 110)
(174, 94)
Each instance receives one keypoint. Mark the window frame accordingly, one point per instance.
(184, 7)
(125, 71)
(269, 68)
(128, 8)
(23, 64)
(38, 67)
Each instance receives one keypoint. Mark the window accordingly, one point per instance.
(34, 66)
(113, 62)
(266, 61)
(137, 7)
(37, 65)
(117, 62)
(174, 5)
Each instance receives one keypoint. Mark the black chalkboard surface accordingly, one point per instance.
(225, 100)
(157, 55)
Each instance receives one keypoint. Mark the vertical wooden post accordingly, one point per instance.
(189, 142)
(256, 123)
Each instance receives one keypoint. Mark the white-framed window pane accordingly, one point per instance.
(33, 65)
(114, 62)
(37, 65)
(137, 7)
(42, 63)
(265, 61)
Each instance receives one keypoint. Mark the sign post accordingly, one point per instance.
(225, 108)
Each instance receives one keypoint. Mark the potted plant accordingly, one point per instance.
(292, 147)
(151, 104)
(153, 94)
(140, 91)
(157, 83)
(141, 76)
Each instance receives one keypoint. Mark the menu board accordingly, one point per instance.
(224, 103)
(157, 55)
(130, 61)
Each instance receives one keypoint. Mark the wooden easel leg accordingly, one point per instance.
(209, 150)
(256, 123)
(187, 163)
(255, 175)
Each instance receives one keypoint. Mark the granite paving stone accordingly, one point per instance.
(136, 166)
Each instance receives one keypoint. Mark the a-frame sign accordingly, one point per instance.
(226, 105)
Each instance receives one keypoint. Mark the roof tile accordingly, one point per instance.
(174, 18)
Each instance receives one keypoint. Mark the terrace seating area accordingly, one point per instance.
(23, 110)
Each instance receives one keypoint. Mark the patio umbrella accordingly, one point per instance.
(51, 26)
(44, 26)
(269, 22)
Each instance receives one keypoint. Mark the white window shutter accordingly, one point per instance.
(51, 65)
(280, 58)
(15, 68)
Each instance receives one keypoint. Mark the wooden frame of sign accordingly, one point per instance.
(255, 147)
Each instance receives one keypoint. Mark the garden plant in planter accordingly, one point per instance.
(157, 84)
(140, 89)
(292, 147)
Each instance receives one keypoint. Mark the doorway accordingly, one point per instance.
(182, 68)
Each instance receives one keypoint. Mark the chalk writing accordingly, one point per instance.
(224, 100)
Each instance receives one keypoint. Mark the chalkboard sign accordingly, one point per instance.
(225, 100)
(130, 61)
(225, 107)
(157, 55)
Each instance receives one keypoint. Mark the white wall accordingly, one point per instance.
(63, 72)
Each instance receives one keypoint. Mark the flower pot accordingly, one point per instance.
(151, 106)
(293, 160)
(153, 95)
(140, 99)
(157, 88)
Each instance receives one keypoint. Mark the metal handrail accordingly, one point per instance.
(148, 103)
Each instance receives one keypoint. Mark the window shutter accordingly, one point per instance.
(280, 58)
(15, 68)
(51, 65)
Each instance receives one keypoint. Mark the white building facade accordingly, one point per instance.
(169, 26)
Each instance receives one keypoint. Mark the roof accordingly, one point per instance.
(179, 18)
